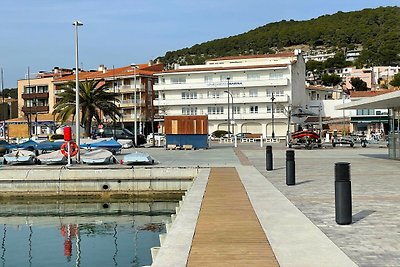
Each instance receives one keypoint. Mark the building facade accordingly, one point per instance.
(134, 88)
(245, 94)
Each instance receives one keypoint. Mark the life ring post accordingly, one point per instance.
(69, 149)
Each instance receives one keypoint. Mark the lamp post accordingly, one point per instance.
(30, 105)
(77, 110)
(273, 126)
(4, 113)
(233, 120)
(229, 116)
(134, 66)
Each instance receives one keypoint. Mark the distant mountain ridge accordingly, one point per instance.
(377, 31)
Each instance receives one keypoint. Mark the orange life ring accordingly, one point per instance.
(74, 149)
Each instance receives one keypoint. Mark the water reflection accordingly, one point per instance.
(81, 234)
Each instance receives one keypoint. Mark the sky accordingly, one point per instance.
(39, 33)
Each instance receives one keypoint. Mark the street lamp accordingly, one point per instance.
(273, 126)
(77, 110)
(4, 113)
(134, 66)
(233, 120)
(229, 116)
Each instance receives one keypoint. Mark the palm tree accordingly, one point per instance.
(93, 99)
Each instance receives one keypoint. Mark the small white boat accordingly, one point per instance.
(138, 158)
(98, 156)
(55, 157)
(20, 156)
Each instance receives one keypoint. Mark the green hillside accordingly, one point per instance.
(376, 30)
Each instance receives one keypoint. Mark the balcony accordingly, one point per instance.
(131, 103)
(222, 100)
(222, 84)
(128, 88)
(35, 96)
(35, 109)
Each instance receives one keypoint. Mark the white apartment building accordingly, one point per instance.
(253, 81)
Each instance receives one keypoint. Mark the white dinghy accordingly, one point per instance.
(55, 157)
(98, 156)
(20, 156)
(138, 158)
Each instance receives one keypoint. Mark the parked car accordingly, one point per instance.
(346, 140)
(123, 133)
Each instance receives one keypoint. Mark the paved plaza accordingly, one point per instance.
(373, 239)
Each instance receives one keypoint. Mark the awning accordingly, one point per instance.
(384, 101)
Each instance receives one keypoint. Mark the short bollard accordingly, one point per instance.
(290, 168)
(343, 205)
(268, 158)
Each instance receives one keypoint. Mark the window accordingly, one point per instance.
(216, 110)
(213, 94)
(178, 80)
(253, 93)
(42, 102)
(189, 111)
(236, 110)
(29, 90)
(269, 108)
(29, 103)
(365, 112)
(276, 75)
(253, 76)
(254, 109)
(279, 92)
(279, 109)
(42, 89)
(189, 95)
(208, 79)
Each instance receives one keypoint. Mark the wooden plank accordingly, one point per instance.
(228, 232)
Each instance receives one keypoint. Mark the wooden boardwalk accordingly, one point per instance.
(228, 232)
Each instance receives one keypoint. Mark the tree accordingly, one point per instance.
(314, 66)
(396, 80)
(93, 99)
(331, 80)
(358, 84)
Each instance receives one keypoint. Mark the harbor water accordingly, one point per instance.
(81, 234)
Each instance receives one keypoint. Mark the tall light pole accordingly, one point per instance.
(233, 120)
(30, 106)
(229, 115)
(4, 113)
(134, 66)
(273, 119)
(77, 110)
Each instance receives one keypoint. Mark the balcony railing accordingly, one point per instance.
(35, 96)
(128, 88)
(222, 100)
(35, 109)
(222, 84)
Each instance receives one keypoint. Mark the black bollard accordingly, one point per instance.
(290, 168)
(343, 206)
(268, 158)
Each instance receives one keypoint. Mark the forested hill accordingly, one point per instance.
(376, 30)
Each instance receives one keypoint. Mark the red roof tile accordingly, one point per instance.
(143, 70)
(370, 93)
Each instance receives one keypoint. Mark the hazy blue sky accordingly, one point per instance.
(39, 33)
